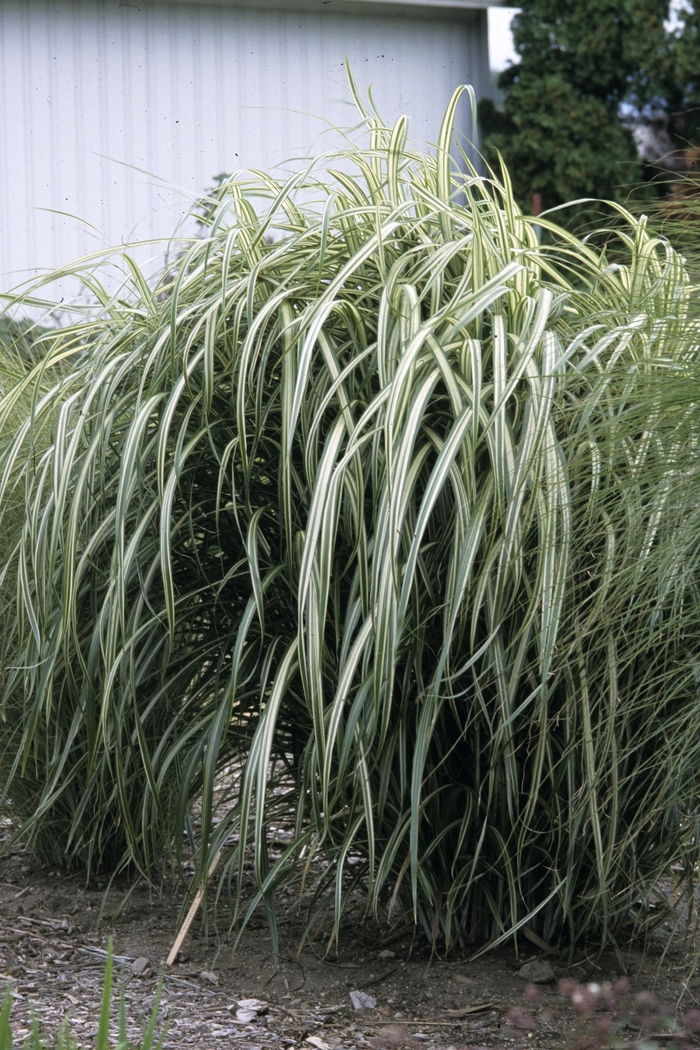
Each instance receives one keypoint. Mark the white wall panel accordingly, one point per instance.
(113, 112)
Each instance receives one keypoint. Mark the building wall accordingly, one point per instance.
(118, 113)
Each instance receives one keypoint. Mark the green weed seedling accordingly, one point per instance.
(64, 1040)
(5, 1031)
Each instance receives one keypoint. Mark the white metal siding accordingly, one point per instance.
(183, 92)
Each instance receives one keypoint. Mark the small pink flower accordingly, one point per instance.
(608, 995)
(644, 1002)
(582, 1000)
(520, 1018)
(692, 1021)
(394, 1034)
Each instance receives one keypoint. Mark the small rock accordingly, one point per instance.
(209, 976)
(539, 971)
(362, 1001)
(387, 954)
(142, 965)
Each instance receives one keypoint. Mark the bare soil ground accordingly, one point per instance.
(54, 931)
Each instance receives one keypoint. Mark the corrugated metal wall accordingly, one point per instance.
(185, 91)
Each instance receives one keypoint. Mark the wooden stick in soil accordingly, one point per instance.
(194, 907)
(404, 1023)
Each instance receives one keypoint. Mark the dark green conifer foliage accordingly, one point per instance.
(560, 133)
(681, 90)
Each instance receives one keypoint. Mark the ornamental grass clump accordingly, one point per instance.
(390, 511)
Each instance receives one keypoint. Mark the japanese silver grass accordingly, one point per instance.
(387, 495)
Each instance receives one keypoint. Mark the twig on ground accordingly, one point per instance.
(194, 907)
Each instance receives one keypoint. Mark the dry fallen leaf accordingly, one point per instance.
(363, 1001)
(258, 1006)
(318, 1043)
(247, 1010)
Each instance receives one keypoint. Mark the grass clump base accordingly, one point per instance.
(384, 494)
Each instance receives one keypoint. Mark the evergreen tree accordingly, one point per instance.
(680, 91)
(560, 131)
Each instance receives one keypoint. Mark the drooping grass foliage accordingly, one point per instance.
(677, 217)
(20, 348)
(386, 495)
